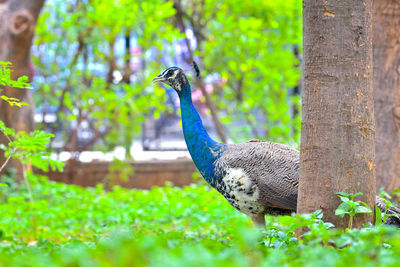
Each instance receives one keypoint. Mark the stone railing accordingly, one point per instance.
(146, 173)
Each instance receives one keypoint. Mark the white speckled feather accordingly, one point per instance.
(271, 169)
(241, 192)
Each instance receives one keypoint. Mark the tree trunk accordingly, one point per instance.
(17, 24)
(338, 135)
(386, 48)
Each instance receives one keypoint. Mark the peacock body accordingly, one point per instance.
(256, 177)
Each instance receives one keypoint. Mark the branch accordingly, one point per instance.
(6, 162)
(239, 92)
(67, 87)
(126, 68)
(209, 102)
(10, 156)
(112, 66)
(98, 135)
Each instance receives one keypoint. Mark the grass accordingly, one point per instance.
(167, 226)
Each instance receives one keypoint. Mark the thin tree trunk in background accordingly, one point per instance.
(17, 24)
(209, 103)
(386, 48)
(296, 92)
(337, 138)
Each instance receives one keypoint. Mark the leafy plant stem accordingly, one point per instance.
(351, 222)
(6, 162)
(28, 186)
(9, 157)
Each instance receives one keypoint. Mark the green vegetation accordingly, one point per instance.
(5, 80)
(351, 207)
(51, 224)
(167, 226)
(253, 47)
(27, 148)
(96, 60)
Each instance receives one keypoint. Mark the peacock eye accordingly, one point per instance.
(170, 72)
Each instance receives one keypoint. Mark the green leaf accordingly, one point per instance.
(378, 216)
(362, 209)
(383, 194)
(343, 209)
(344, 199)
(348, 195)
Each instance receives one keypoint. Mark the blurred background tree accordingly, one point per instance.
(94, 62)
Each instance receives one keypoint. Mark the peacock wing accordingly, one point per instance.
(272, 168)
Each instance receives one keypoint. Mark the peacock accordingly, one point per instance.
(256, 177)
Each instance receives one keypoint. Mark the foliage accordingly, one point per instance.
(28, 148)
(255, 43)
(351, 207)
(5, 80)
(88, 76)
(119, 170)
(5, 77)
(169, 226)
(383, 194)
(379, 217)
(95, 61)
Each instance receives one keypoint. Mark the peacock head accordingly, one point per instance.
(174, 77)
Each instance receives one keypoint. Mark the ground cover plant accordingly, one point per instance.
(69, 225)
(46, 223)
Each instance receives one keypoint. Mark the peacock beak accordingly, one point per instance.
(159, 78)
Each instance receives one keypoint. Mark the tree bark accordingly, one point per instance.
(17, 24)
(386, 49)
(338, 135)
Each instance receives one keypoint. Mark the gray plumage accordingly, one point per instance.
(273, 169)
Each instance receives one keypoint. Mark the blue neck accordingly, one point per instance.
(202, 148)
